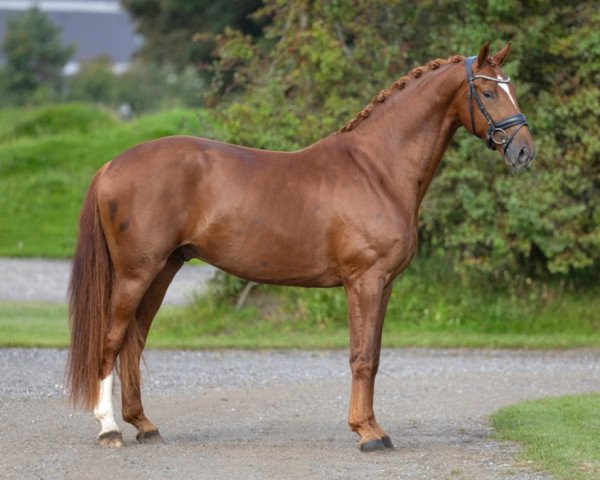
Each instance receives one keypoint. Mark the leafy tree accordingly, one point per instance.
(168, 27)
(546, 220)
(150, 87)
(320, 62)
(94, 82)
(143, 87)
(34, 54)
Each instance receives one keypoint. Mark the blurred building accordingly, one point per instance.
(96, 28)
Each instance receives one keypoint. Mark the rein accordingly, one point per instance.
(496, 134)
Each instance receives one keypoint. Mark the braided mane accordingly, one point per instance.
(398, 85)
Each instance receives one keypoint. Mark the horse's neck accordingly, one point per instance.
(407, 135)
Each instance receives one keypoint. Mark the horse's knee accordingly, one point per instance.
(363, 367)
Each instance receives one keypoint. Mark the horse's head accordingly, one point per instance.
(488, 108)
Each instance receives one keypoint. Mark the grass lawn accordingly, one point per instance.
(420, 316)
(561, 435)
(46, 325)
(33, 325)
(48, 157)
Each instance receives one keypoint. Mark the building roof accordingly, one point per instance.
(96, 28)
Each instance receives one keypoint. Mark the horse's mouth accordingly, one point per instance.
(521, 161)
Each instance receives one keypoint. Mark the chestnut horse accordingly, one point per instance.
(341, 212)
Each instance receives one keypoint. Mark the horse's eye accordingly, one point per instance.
(488, 94)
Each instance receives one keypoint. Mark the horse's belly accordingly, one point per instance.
(264, 259)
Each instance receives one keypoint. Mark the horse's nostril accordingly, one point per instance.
(523, 155)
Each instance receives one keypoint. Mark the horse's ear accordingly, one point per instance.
(500, 57)
(483, 54)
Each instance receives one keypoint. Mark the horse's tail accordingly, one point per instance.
(89, 300)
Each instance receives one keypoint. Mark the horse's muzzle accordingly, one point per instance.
(520, 154)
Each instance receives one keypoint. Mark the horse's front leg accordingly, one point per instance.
(367, 302)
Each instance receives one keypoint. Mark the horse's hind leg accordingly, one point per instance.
(133, 411)
(127, 291)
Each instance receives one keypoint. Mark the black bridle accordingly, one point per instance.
(496, 134)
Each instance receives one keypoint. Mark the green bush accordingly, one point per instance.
(320, 62)
(94, 82)
(431, 305)
(144, 87)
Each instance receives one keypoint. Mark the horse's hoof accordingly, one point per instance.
(375, 445)
(111, 439)
(387, 443)
(150, 437)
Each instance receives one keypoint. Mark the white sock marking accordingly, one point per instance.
(104, 409)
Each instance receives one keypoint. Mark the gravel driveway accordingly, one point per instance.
(282, 415)
(273, 415)
(35, 279)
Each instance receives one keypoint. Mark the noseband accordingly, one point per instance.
(496, 134)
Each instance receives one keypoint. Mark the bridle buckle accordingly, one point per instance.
(493, 137)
